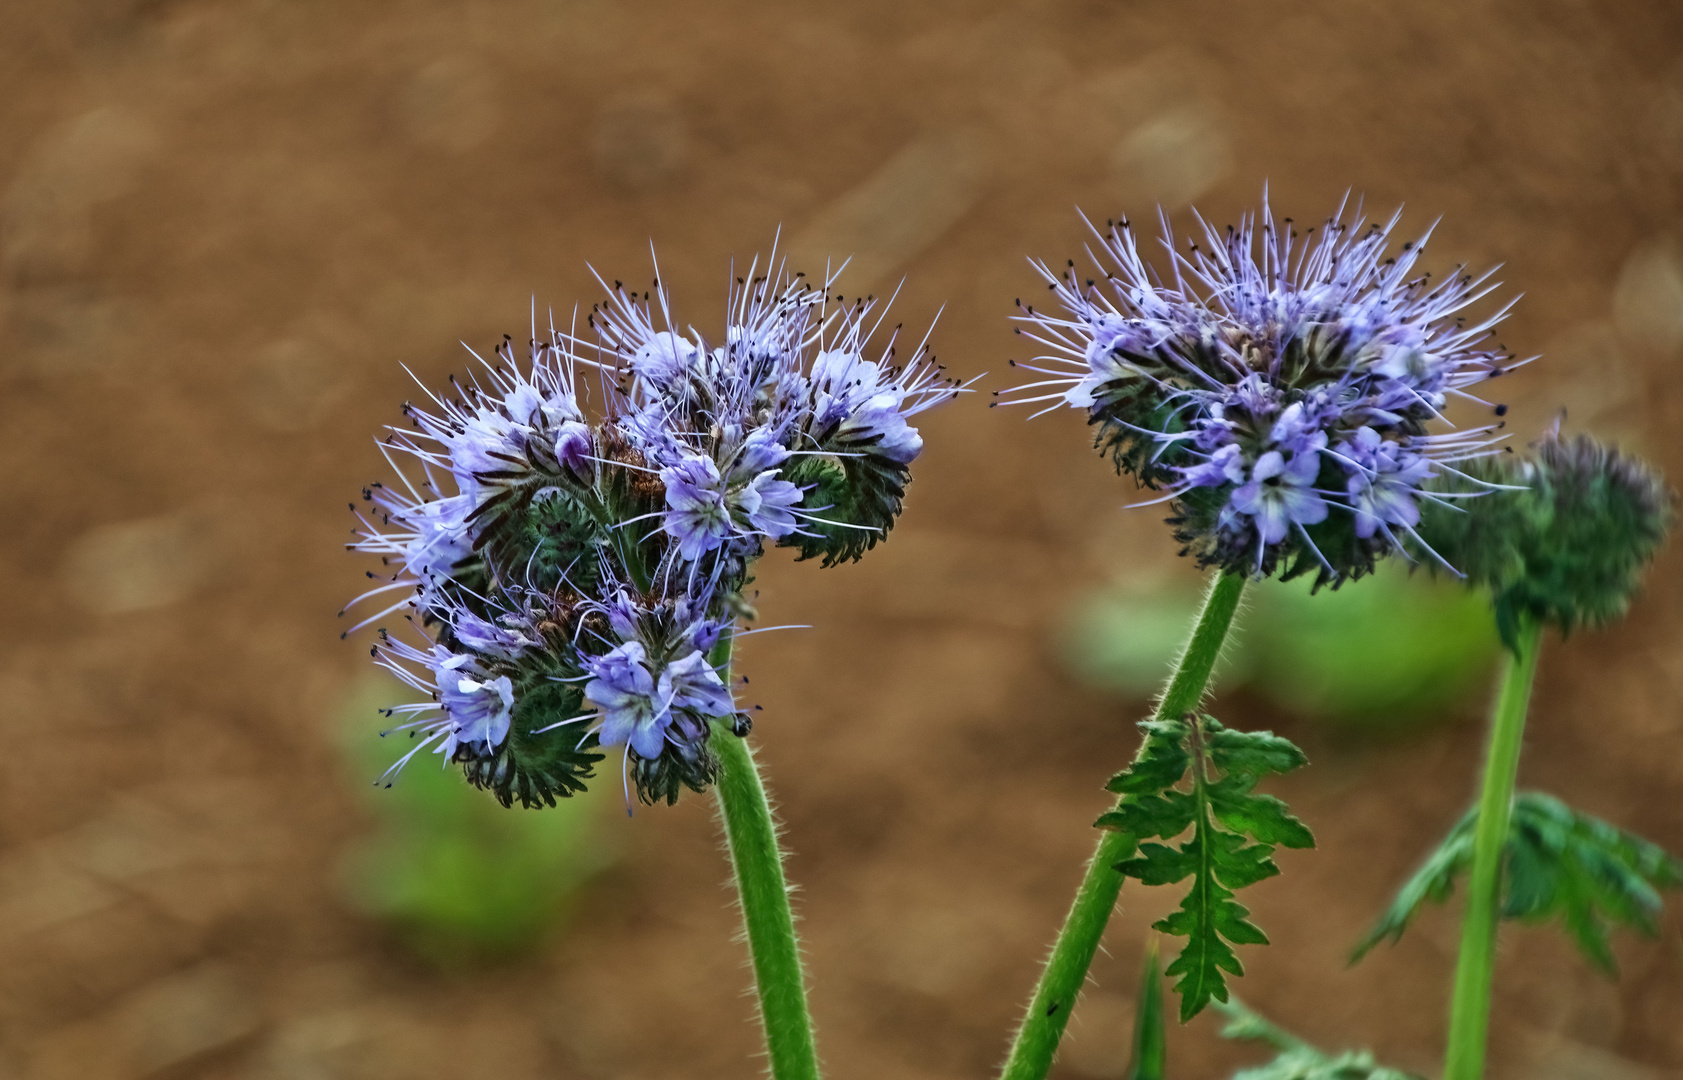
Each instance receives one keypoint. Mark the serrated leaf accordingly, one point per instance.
(1558, 863)
(1234, 834)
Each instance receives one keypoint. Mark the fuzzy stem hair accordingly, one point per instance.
(757, 864)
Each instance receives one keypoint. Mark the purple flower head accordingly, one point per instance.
(574, 574)
(1240, 378)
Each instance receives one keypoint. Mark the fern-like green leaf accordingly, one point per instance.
(1559, 863)
(1195, 774)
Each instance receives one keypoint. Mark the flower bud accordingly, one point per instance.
(1563, 540)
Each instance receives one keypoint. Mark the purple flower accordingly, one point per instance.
(1385, 482)
(696, 515)
(471, 709)
(574, 448)
(1280, 494)
(634, 710)
(664, 360)
(763, 506)
(478, 707)
(694, 685)
(489, 638)
(638, 706)
(863, 407)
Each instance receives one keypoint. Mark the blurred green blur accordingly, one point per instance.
(458, 877)
(1392, 649)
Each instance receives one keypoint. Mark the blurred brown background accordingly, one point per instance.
(223, 225)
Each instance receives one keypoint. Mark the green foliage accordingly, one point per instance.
(1234, 833)
(459, 877)
(1150, 1061)
(1297, 1059)
(1558, 863)
(1392, 649)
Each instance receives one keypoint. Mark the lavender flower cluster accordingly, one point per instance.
(572, 535)
(1278, 387)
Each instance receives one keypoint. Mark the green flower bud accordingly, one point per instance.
(1564, 538)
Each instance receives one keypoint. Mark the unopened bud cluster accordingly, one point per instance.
(571, 535)
(1279, 387)
(1560, 535)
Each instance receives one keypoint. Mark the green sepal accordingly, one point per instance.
(1557, 863)
(663, 778)
(1234, 834)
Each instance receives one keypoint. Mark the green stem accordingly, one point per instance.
(1469, 1012)
(1072, 954)
(751, 837)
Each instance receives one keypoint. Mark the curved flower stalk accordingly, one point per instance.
(1280, 388)
(570, 535)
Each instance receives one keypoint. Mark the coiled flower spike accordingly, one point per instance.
(1278, 387)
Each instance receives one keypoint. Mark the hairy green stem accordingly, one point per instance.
(751, 836)
(1072, 954)
(1469, 1011)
